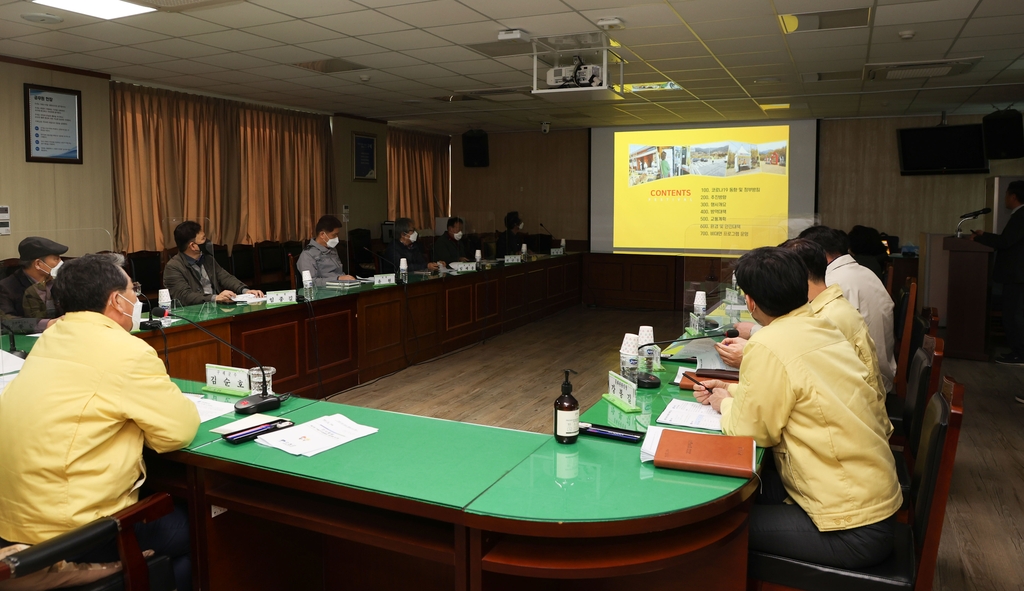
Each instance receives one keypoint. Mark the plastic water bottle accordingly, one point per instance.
(403, 271)
(628, 358)
(647, 362)
(307, 285)
(478, 256)
(700, 307)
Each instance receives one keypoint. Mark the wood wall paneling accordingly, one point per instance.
(276, 344)
(629, 281)
(458, 306)
(189, 349)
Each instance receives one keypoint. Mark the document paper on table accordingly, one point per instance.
(322, 434)
(209, 409)
(691, 414)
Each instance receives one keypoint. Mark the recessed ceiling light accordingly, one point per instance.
(768, 80)
(821, 21)
(105, 9)
(42, 17)
(774, 106)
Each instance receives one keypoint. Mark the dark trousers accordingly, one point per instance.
(1013, 316)
(167, 536)
(786, 530)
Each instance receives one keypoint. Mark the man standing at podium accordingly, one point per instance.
(1009, 270)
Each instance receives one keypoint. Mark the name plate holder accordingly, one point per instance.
(462, 267)
(284, 296)
(732, 296)
(223, 379)
(621, 393)
(558, 251)
(513, 258)
(384, 279)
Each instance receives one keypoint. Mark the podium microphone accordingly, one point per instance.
(382, 259)
(13, 350)
(970, 216)
(546, 230)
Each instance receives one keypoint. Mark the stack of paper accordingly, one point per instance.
(322, 434)
(210, 409)
(691, 414)
(650, 445)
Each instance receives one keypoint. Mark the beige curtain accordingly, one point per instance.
(254, 174)
(418, 176)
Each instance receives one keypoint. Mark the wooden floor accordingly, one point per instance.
(512, 381)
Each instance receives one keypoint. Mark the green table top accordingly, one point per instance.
(435, 461)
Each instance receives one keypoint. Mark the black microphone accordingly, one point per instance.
(731, 333)
(975, 214)
(13, 350)
(250, 404)
(382, 259)
(546, 230)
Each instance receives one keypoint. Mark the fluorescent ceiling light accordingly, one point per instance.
(775, 106)
(106, 9)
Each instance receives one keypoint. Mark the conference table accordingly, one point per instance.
(449, 505)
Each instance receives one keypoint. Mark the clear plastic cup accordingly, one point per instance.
(256, 379)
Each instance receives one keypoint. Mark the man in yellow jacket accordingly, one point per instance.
(73, 423)
(831, 494)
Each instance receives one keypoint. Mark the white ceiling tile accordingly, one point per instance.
(111, 31)
(830, 66)
(10, 29)
(321, 81)
(994, 65)
(914, 50)
(988, 56)
(799, 6)
(293, 32)
(404, 86)
(686, 64)
(139, 72)
(998, 25)
(652, 35)
(420, 72)
(999, 8)
(978, 44)
(700, 11)
(131, 55)
(497, 9)
(389, 59)
(761, 71)
(476, 67)
(188, 81)
(171, 23)
(180, 48)
(434, 14)
(403, 40)
(519, 62)
(830, 53)
(354, 77)
(439, 55)
(505, 78)
(386, 3)
(281, 72)
(85, 62)
(16, 48)
(646, 15)
(482, 32)
(699, 74)
(552, 24)
(59, 40)
(829, 38)
(745, 27)
(230, 89)
(234, 61)
(670, 51)
(189, 67)
(364, 22)
(747, 44)
(453, 83)
(755, 59)
(347, 47)
(238, 15)
(287, 54)
(309, 8)
(235, 77)
(922, 32)
(233, 40)
(922, 12)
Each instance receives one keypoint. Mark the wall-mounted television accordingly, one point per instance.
(946, 149)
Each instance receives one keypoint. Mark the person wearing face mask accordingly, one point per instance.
(404, 246)
(40, 262)
(509, 241)
(449, 246)
(75, 420)
(193, 276)
(320, 257)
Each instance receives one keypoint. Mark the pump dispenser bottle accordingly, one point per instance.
(567, 414)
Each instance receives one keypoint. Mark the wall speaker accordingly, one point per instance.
(1004, 134)
(474, 149)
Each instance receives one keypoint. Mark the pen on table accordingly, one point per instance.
(271, 426)
(684, 374)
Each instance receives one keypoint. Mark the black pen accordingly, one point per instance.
(695, 381)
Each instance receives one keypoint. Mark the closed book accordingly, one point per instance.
(688, 385)
(719, 374)
(710, 454)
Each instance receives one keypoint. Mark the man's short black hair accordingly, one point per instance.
(85, 283)
(834, 242)
(454, 220)
(185, 232)
(775, 278)
(865, 240)
(511, 220)
(813, 256)
(327, 223)
(1016, 188)
(403, 225)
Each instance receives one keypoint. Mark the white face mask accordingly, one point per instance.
(136, 312)
(53, 269)
(333, 242)
(458, 235)
(413, 236)
(521, 224)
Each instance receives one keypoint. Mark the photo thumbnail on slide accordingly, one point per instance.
(704, 189)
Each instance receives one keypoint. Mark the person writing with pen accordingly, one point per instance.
(830, 490)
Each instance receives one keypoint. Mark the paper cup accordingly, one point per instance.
(700, 299)
(630, 343)
(646, 335)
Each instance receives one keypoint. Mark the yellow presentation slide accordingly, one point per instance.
(722, 190)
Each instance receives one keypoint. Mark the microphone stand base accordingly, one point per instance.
(257, 403)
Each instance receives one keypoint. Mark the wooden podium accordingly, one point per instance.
(967, 303)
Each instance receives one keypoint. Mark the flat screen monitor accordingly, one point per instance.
(946, 149)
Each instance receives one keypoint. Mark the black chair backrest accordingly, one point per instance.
(358, 240)
(917, 386)
(220, 254)
(928, 463)
(294, 247)
(272, 257)
(243, 262)
(146, 269)
(918, 329)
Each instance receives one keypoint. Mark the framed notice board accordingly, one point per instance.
(364, 156)
(53, 124)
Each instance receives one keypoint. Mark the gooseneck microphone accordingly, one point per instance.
(382, 259)
(13, 348)
(975, 214)
(731, 333)
(546, 230)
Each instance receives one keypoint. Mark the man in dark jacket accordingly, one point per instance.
(193, 276)
(404, 247)
(40, 259)
(1009, 270)
(449, 248)
(509, 241)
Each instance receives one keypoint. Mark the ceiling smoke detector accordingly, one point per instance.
(907, 35)
(43, 18)
(613, 23)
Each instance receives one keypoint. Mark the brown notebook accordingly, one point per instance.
(685, 384)
(711, 454)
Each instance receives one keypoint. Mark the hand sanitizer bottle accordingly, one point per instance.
(567, 414)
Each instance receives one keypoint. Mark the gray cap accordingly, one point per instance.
(37, 247)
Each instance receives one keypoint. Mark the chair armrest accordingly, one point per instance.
(136, 571)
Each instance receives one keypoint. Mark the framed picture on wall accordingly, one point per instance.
(53, 124)
(364, 156)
